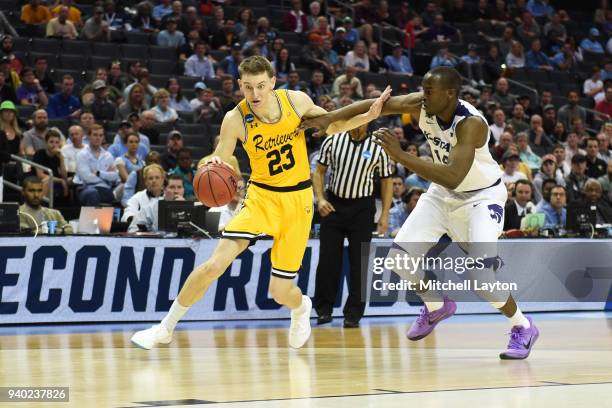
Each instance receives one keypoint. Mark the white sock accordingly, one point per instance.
(433, 306)
(174, 315)
(301, 308)
(519, 319)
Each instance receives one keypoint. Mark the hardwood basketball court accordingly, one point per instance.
(248, 364)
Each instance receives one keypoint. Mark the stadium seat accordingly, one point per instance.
(134, 51)
(25, 112)
(75, 62)
(77, 47)
(45, 45)
(163, 53)
(100, 61)
(134, 37)
(101, 49)
(162, 67)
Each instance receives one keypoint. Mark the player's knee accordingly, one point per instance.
(279, 293)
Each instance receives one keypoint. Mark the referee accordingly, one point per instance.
(347, 210)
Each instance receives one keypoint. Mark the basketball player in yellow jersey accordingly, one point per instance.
(278, 202)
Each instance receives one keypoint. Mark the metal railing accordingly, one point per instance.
(47, 170)
(530, 89)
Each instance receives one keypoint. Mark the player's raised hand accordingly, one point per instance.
(387, 140)
(377, 106)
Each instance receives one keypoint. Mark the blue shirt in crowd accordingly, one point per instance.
(62, 107)
(402, 65)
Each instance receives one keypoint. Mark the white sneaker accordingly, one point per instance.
(149, 338)
(299, 332)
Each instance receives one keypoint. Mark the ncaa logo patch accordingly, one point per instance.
(496, 212)
(249, 118)
(366, 154)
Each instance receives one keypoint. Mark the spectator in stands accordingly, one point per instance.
(539, 140)
(404, 14)
(30, 92)
(42, 74)
(274, 48)
(222, 39)
(96, 172)
(185, 170)
(440, 31)
(136, 123)
(536, 59)
(317, 88)
(559, 132)
(199, 87)
(555, 32)
(163, 112)
(604, 147)
(527, 155)
(499, 14)
(572, 146)
(593, 196)
(161, 10)
(86, 121)
(515, 59)
(430, 12)
(188, 48)
(510, 161)
(352, 34)
(593, 86)
(231, 62)
(174, 145)
(227, 91)
(130, 161)
(293, 82)
(398, 63)
(520, 205)
(209, 110)
(115, 78)
(116, 19)
(283, 65)
(498, 125)
(9, 128)
(74, 14)
(7, 93)
(147, 217)
(502, 96)
(199, 64)
(345, 91)
(70, 150)
(377, 63)
(578, 127)
(61, 27)
(295, 20)
(34, 139)
(101, 107)
(519, 119)
(565, 59)
(605, 106)
(547, 186)
(314, 9)
(313, 57)
(562, 165)
(136, 180)
(321, 28)
(64, 104)
(555, 211)
(548, 171)
(15, 58)
(177, 101)
(143, 79)
(358, 57)
(32, 191)
(571, 110)
(399, 213)
(331, 57)
(339, 43)
(528, 30)
(171, 37)
(134, 103)
(505, 140)
(399, 189)
(95, 28)
(590, 44)
(133, 70)
(383, 15)
(444, 59)
(595, 167)
(143, 20)
(606, 185)
(350, 78)
(51, 157)
(35, 14)
(575, 181)
(473, 65)
(120, 146)
(183, 21)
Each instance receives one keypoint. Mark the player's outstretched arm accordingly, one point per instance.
(395, 105)
(471, 134)
(232, 129)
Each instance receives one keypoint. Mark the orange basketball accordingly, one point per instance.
(215, 184)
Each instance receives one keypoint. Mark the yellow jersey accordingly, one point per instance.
(277, 151)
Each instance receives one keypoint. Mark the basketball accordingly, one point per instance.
(215, 184)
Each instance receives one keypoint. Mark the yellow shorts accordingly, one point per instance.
(285, 216)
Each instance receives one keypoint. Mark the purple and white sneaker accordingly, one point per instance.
(521, 342)
(427, 321)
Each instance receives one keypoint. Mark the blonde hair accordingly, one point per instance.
(151, 167)
(255, 65)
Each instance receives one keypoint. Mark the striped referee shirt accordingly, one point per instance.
(353, 164)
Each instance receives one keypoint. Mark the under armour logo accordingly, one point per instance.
(496, 212)
(253, 125)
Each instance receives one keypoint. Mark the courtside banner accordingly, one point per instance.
(89, 279)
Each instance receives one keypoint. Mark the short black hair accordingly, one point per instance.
(31, 180)
(184, 150)
(548, 181)
(174, 177)
(525, 182)
(52, 133)
(449, 77)
(408, 195)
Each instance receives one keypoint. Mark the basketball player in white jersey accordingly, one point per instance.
(465, 201)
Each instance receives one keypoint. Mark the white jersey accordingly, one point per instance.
(441, 137)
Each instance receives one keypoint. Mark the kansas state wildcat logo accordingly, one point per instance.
(496, 212)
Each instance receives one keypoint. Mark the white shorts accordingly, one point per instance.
(465, 217)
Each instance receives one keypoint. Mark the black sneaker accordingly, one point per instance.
(324, 319)
(351, 324)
